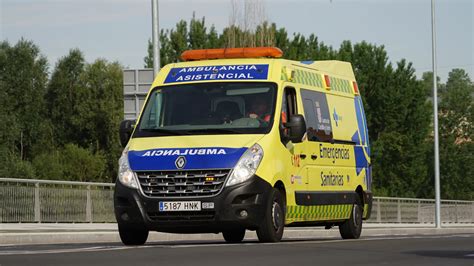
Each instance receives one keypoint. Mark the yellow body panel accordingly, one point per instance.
(283, 163)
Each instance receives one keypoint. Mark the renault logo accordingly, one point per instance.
(180, 162)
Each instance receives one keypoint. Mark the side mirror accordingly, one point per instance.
(297, 127)
(125, 131)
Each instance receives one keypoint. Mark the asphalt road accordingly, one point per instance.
(397, 250)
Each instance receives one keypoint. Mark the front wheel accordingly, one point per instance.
(271, 228)
(234, 236)
(352, 228)
(133, 237)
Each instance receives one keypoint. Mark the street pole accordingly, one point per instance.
(435, 112)
(156, 40)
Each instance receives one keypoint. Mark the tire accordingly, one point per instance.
(234, 236)
(273, 223)
(352, 228)
(131, 237)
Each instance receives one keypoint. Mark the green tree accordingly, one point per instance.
(427, 81)
(65, 96)
(213, 39)
(11, 129)
(281, 40)
(265, 34)
(397, 117)
(178, 40)
(345, 51)
(456, 132)
(297, 49)
(165, 50)
(102, 110)
(197, 33)
(26, 130)
(400, 146)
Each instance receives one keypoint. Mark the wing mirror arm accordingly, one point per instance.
(125, 131)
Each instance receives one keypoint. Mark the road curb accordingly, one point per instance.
(29, 238)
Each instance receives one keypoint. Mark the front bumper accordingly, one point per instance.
(135, 211)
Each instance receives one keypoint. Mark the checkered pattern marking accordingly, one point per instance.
(322, 212)
(366, 210)
(340, 85)
(316, 80)
(305, 77)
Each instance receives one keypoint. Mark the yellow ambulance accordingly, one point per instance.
(240, 139)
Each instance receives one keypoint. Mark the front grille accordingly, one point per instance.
(182, 216)
(191, 183)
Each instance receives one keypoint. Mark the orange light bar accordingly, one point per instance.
(249, 52)
(356, 89)
(328, 82)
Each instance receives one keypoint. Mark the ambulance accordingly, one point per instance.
(240, 139)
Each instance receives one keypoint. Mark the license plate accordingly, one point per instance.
(175, 206)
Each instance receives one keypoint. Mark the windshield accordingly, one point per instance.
(208, 108)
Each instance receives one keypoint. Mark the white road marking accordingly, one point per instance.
(291, 241)
(57, 251)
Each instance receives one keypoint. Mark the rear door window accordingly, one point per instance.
(317, 115)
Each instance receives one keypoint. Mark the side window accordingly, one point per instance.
(288, 108)
(316, 112)
(152, 112)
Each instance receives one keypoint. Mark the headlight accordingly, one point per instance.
(125, 175)
(246, 166)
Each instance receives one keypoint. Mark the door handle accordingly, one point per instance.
(314, 157)
(303, 156)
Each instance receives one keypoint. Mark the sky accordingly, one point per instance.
(118, 30)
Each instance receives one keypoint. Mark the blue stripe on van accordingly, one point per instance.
(360, 159)
(361, 138)
(196, 158)
(360, 122)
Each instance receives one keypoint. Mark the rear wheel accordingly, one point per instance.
(133, 237)
(271, 228)
(352, 228)
(234, 236)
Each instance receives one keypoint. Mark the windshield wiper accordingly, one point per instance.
(164, 131)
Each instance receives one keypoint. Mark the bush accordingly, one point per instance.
(81, 165)
(71, 163)
(49, 166)
(17, 168)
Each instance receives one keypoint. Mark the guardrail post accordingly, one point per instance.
(419, 211)
(379, 218)
(456, 212)
(399, 212)
(89, 205)
(472, 212)
(37, 203)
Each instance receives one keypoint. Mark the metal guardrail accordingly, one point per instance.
(420, 211)
(48, 201)
(29, 200)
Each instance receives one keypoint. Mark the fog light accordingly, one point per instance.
(244, 214)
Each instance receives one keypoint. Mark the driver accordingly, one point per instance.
(259, 110)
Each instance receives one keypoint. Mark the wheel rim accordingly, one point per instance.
(276, 216)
